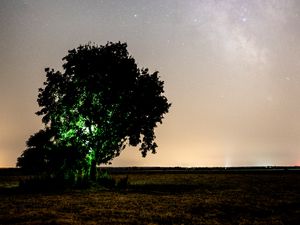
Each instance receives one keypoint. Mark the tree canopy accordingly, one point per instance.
(98, 105)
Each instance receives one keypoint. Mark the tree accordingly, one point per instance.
(34, 159)
(101, 103)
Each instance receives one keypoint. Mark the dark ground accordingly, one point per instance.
(162, 196)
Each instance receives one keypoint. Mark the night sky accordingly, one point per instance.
(231, 71)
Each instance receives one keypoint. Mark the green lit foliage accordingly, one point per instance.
(101, 103)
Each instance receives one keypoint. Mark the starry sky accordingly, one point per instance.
(231, 70)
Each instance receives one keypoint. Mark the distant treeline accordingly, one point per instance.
(147, 170)
(260, 169)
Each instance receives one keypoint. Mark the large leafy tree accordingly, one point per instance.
(101, 103)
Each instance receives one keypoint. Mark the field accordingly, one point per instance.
(161, 197)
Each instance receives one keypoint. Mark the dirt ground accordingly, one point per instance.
(161, 198)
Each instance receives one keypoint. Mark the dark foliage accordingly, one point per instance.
(36, 156)
(106, 180)
(123, 183)
(101, 103)
(44, 183)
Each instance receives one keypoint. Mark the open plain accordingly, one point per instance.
(160, 197)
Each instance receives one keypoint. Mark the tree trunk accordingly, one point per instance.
(93, 170)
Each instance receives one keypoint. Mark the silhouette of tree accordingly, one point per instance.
(101, 103)
(34, 158)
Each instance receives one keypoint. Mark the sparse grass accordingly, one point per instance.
(161, 198)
